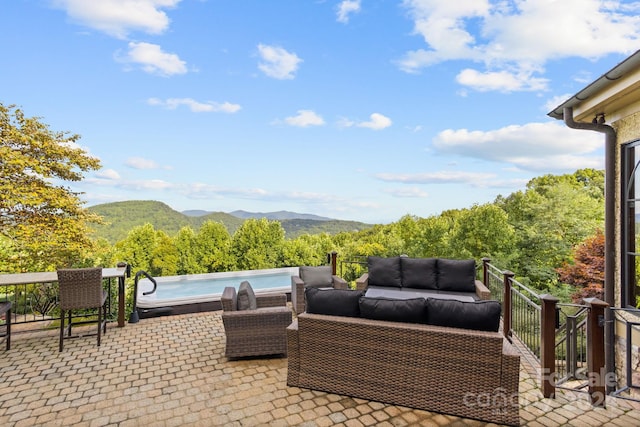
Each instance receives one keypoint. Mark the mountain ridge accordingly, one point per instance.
(121, 217)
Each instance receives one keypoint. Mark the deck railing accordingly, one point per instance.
(629, 319)
(38, 303)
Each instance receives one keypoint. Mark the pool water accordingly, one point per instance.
(187, 288)
(201, 288)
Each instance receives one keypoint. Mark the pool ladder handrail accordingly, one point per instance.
(134, 317)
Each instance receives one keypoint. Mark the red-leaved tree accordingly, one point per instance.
(587, 271)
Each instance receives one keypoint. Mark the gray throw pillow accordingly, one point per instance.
(411, 310)
(384, 271)
(456, 275)
(335, 302)
(316, 277)
(246, 297)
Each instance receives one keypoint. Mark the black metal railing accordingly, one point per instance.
(38, 303)
(629, 384)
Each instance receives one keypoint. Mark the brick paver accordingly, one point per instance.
(171, 371)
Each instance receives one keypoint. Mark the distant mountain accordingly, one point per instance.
(280, 215)
(121, 217)
(195, 212)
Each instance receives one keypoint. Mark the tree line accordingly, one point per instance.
(534, 232)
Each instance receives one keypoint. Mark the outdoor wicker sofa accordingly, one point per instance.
(403, 277)
(258, 330)
(467, 373)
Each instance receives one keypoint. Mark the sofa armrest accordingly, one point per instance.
(271, 300)
(338, 282)
(482, 291)
(297, 294)
(362, 282)
(293, 354)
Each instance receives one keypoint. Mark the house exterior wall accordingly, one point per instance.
(627, 130)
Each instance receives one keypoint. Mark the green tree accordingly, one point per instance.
(552, 216)
(483, 231)
(138, 248)
(44, 220)
(258, 244)
(185, 244)
(213, 247)
(164, 260)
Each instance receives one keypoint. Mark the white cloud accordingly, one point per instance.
(195, 106)
(504, 81)
(153, 60)
(377, 122)
(305, 118)
(346, 8)
(517, 37)
(141, 163)
(533, 147)
(108, 174)
(443, 177)
(277, 62)
(119, 17)
(409, 193)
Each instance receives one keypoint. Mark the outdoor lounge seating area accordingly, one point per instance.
(170, 371)
(431, 354)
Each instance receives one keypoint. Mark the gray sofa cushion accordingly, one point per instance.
(478, 315)
(246, 297)
(316, 277)
(384, 271)
(457, 275)
(420, 273)
(335, 302)
(394, 310)
(408, 293)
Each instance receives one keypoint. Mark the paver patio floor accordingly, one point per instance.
(171, 371)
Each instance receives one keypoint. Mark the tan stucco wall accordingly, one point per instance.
(628, 130)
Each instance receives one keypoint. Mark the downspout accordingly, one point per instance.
(609, 230)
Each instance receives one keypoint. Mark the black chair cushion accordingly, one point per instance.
(419, 273)
(384, 271)
(457, 275)
(395, 310)
(335, 302)
(478, 315)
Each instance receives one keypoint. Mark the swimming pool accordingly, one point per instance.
(201, 292)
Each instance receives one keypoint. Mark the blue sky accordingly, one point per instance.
(356, 110)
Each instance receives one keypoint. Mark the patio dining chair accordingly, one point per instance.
(81, 289)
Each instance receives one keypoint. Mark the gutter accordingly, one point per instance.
(609, 226)
(632, 63)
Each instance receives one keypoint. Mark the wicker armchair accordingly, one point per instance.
(258, 332)
(81, 288)
(317, 277)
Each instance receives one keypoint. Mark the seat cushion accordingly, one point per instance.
(478, 315)
(384, 271)
(335, 302)
(246, 297)
(419, 273)
(316, 277)
(457, 275)
(395, 310)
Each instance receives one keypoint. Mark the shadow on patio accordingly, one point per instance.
(171, 371)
